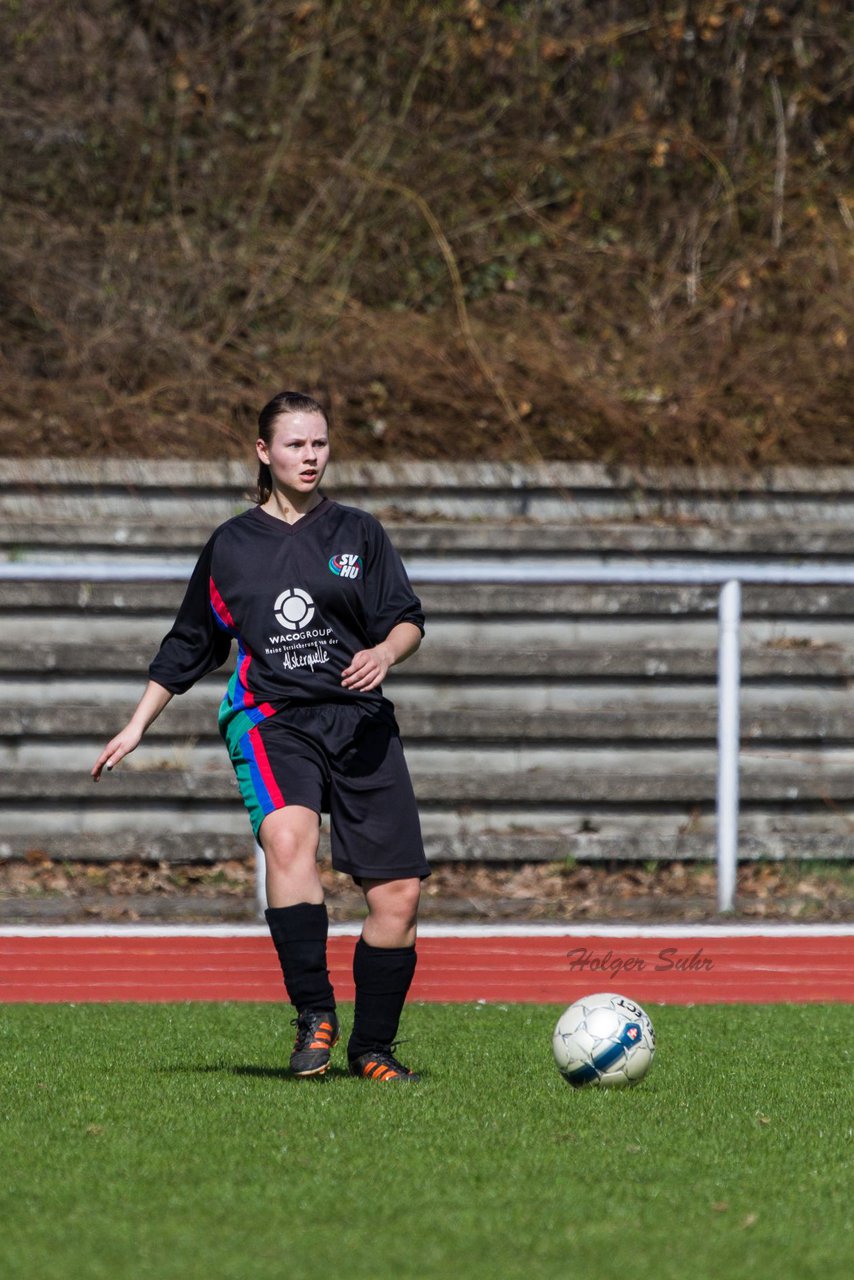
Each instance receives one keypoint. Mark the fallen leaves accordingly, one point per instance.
(129, 889)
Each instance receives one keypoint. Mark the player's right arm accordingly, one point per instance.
(194, 646)
(128, 739)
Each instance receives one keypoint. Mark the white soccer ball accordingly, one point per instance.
(605, 1040)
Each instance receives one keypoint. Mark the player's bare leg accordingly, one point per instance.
(392, 912)
(289, 838)
(299, 925)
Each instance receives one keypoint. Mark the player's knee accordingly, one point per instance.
(396, 901)
(288, 844)
(285, 854)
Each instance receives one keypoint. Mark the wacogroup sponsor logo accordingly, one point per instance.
(346, 566)
(294, 609)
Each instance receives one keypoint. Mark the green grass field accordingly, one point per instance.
(167, 1141)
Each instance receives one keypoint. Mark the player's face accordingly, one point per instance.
(298, 453)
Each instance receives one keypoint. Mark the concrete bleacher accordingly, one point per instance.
(541, 723)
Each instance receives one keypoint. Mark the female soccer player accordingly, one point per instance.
(321, 608)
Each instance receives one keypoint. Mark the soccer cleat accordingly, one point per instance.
(380, 1064)
(317, 1032)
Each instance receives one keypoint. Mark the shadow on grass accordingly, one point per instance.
(282, 1073)
(253, 1070)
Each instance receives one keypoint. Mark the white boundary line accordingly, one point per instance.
(352, 929)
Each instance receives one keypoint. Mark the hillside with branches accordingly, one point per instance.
(617, 232)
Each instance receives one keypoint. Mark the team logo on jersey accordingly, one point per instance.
(346, 566)
(294, 609)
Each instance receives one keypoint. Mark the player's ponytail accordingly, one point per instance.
(264, 484)
(284, 402)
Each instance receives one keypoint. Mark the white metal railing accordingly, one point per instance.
(728, 576)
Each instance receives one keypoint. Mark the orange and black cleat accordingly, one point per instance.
(380, 1064)
(317, 1032)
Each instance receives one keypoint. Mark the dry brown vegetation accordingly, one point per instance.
(610, 231)
(40, 887)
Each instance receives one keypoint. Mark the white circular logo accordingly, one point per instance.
(294, 609)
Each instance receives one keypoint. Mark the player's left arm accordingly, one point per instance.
(371, 666)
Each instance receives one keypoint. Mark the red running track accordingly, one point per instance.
(541, 969)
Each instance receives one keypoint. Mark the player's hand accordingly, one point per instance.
(368, 669)
(121, 745)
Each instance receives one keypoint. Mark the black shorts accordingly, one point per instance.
(340, 758)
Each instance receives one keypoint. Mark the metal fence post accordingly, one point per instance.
(260, 881)
(729, 618)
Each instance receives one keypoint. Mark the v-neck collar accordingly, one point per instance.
(291, 530)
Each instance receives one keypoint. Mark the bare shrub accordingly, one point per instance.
(552, 229)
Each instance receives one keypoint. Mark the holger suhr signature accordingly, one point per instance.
(583, 959)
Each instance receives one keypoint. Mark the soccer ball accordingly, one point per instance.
(605, 1040)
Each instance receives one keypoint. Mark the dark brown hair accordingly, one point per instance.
(284, 402)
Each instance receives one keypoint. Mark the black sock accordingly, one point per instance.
(299, 934)
(383, 976)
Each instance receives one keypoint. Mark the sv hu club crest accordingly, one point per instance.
(346, 566)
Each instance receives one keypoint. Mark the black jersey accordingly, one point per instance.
(300, 600)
